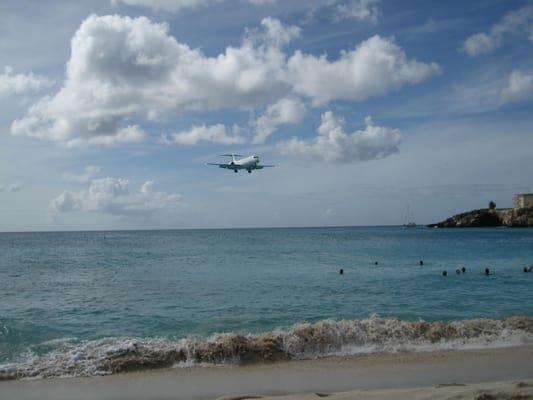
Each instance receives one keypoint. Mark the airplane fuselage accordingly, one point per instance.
(248, 163)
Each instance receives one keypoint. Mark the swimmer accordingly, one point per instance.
(421, 262)
(487, 272)
(444, 273)
(463, 270)
(457, 271)
(341, 271)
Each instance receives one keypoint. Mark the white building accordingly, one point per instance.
(523, 200)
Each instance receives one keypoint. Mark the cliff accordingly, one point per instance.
(511, 217)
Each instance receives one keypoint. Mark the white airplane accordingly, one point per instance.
(248, 163)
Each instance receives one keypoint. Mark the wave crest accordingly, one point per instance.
(304, 340)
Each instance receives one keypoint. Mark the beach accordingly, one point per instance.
(399, 375)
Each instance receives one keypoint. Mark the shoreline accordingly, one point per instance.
(325, 375)
(303, 341)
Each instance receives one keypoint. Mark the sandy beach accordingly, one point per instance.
(432, 375)
(484, 391)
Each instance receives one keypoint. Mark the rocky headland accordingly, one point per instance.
(485, 217)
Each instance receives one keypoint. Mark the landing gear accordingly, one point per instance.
(249, 171)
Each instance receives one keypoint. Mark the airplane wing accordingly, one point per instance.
(263, 166)
(227, 166)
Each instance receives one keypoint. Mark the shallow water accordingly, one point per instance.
(74, 287)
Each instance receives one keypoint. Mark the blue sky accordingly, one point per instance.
(111, 108)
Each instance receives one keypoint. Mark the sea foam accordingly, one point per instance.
(301, 341)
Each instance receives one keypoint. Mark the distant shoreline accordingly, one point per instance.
(92, 231)
(489, 218)
(204, 229)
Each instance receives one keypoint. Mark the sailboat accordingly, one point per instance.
(409, 219)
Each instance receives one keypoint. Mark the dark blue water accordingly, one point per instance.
(174, 284)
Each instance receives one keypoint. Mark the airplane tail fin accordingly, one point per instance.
(232, 155)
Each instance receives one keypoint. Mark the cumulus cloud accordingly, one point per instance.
(274, 32)
(519, 87)
(358, 9)
(212, 133)
(284, 111)
(89, 173)
(14, 187)
(375, 67)
(334, 145)
(123, 70)
(11, 83)
(113, 196)
(519, 21)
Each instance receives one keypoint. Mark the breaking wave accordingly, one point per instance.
(302, 341)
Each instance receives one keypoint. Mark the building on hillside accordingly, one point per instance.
(523, 200)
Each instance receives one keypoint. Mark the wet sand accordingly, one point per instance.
(520, 390)
(331, 375)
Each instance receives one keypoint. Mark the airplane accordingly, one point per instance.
(248, 163)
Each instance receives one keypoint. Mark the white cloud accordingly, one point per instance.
(358, 9)
(274, 32)
(212, 133)
(334, 145)
(113, 196)
(519, 21)
(90, 172)
(14, 187)
(11, 83)
(374, 68)
(285, 111)
(481, 43)
(519, 86)
(127, 134)
(123, 70)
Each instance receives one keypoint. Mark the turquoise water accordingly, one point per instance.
(83, 286)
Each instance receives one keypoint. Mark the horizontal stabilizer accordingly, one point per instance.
(230, 155)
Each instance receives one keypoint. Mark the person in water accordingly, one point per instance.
(421, 262)
(341, 271)
(526, 269)
(487, 272)
(457, 271)
(463, 270)
(444, 273)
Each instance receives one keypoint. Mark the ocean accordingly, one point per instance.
(91, 303)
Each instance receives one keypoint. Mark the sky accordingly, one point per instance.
(111, 108)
